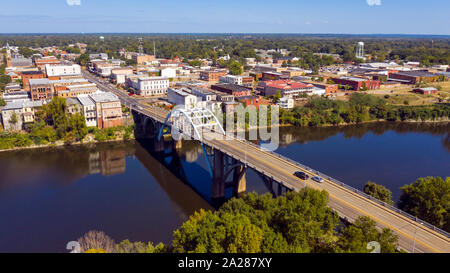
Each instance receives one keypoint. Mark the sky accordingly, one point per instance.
(227, 16)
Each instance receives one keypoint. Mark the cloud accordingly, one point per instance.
(73, 2)
(374, 2)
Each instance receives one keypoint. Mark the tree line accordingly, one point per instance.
(360, 108)
(428, 199)
(426, 51)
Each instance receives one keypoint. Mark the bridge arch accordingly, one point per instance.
(195, 119)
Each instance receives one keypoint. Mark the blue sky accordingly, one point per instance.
(227, 16)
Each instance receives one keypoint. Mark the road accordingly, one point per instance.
(413, 236)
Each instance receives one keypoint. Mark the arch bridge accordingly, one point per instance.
(228, 159)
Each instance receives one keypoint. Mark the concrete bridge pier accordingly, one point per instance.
(223, 168)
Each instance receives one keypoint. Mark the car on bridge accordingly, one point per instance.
(318, 179)
(302, 175)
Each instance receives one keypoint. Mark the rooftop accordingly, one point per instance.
(230, 86)
(32, 72)
(103, 97)
(39, 81)
(287, 84)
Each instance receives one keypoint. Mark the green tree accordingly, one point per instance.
(235, 68)
(380, 192)
(355, 238)
(2, 102)
(429, 199)
(84, 59)
(139, 247)
(77, 124)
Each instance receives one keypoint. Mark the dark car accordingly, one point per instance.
(302, 175)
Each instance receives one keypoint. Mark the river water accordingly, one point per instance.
(49, 197)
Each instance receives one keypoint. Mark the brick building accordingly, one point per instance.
(41, 89)
(413, 77)
(426, 90)
(212, 75)
(231, 89)
(357, 83)
(51, 60)
(109, 109)
(143, 58)
(28, 75)
(285, 87)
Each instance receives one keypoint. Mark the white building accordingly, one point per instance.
(89, 110)
(62, 70)
(231, 79)
(150, 86)
(286, 102)
(168, 72)
(181, 97)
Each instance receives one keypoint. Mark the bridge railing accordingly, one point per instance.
(361, 193)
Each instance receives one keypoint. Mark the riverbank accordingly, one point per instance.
(115, 134)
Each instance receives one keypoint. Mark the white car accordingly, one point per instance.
(318, 179)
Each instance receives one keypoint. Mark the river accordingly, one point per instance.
(49, 197)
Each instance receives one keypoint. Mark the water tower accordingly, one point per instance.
(360, 50)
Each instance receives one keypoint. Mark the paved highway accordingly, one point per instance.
(412, 235)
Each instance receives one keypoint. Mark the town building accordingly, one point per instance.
(55, 72)
(89, 110)
(143, 58)
(28, 75)
(60, 85)
(17, 113)
(329, 88)
(273, 76)
(414, 77)
(12, 87)
(231, 89)
(41, 89)
(102, 56)
(203, 94)
(182, 96)
(168, 72)
(108, 108)
(286, 103)
(285, 88)
(212, 75)
(356, 84)
(253, 100)
(73, 91)
(20, 62)
(426, 90)
(73, 106)
(148, 86)
(246, 81)
(118, 75)
(51, 60)
(293, 73)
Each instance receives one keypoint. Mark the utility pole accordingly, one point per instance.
(154, 49)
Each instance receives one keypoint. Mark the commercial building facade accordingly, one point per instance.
(41, 89)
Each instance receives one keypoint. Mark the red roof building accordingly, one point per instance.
(286, 87)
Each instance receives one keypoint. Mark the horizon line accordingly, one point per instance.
(227, 33)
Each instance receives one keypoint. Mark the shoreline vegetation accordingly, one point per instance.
(125, 133)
